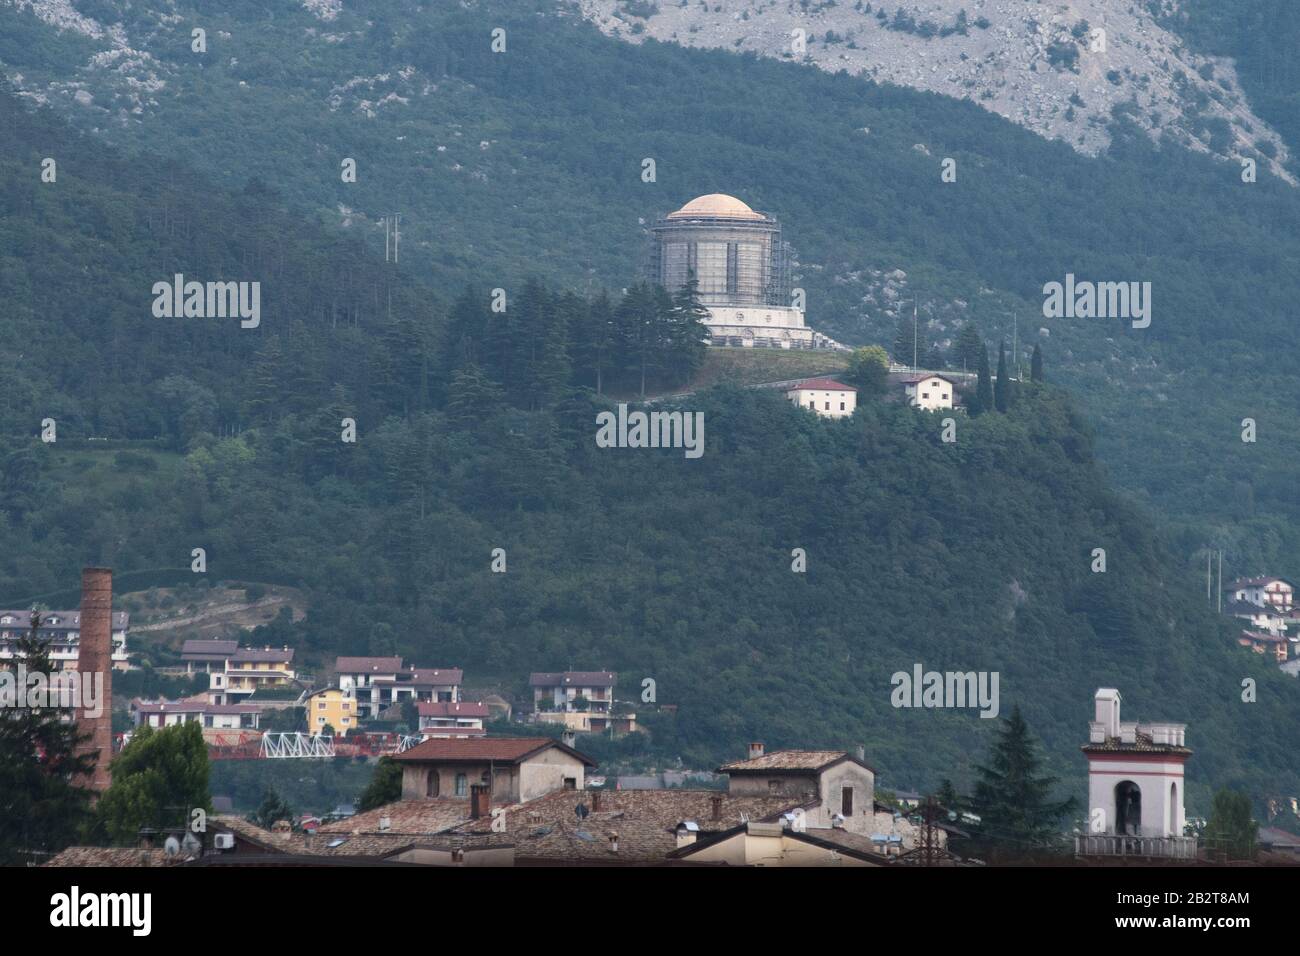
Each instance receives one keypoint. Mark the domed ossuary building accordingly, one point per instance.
(743, 270)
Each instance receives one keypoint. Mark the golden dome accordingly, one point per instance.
(715, 206)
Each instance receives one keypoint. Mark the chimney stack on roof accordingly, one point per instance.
(755, 750)
(95, 661)
(595, 800)
(715, 807)
(480, 801)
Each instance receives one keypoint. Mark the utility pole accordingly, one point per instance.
(1220, 582)
(1209, 586)
(914, 341)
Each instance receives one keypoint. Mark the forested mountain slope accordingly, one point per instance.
(972, 556)
(530, 160)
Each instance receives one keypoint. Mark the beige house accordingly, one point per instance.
(927, 391)
(503, 769)
(249, 670)
(825, 396)
(833, 790)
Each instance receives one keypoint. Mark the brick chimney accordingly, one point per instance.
(756, 749)
(715, 807)
(480, 801)
(595, 800)
(95, 657)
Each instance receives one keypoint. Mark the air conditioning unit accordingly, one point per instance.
(224, 841)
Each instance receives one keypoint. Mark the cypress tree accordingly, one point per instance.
(984, 387)
(1036, 365)
(966, 351)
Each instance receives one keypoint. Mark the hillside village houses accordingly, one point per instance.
(236, 673)
(200, 710)
(580, 700)
(521, 801)
(377, 683)
(62, 631)
(1267, 605)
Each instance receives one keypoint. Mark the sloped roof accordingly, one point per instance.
(499, 749)
(802, 761)
(644, 820)
(112, 856)
(572, 679)
(367, 665)
(445, 708)
(821, 385)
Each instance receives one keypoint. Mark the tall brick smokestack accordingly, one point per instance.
(95, 656)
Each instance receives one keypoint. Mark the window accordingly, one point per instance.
(828, 406)
(570, 783)
(841, 406)
(462, 785)
(431, 786)
(846, 801)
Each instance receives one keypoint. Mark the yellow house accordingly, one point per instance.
(330, 707)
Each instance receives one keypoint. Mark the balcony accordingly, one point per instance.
(1135, 847)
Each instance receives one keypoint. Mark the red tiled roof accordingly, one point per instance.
(823, 385)
(504, 749)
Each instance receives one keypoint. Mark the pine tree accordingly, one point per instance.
(1002, 388)
(1011, 798)
(966, 351)
(1036, 365)
(272, 810)
(595, 347)
(686, 331)
(906, 345)
(42, 803)
(473, 397)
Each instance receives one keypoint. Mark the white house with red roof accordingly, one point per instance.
(825, 396)
(446, 718)
(1262, 592)
(926, 390)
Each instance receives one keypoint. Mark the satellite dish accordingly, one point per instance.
(172, 846)
(581, 810)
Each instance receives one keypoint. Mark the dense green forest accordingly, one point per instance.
(475, 429)
(529, 161)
